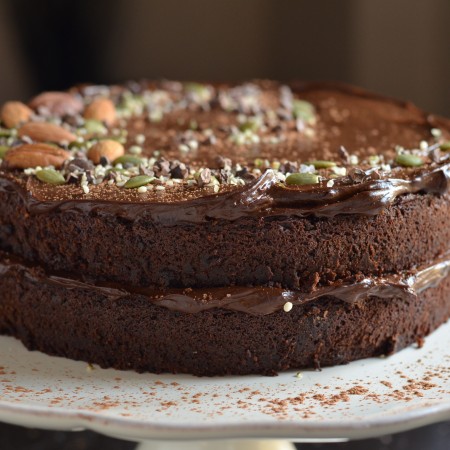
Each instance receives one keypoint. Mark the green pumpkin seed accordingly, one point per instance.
(322, 164)
(407, 160)
(302, 178)
(138, 181)
(6, 133)
(78, 144)
(303, 110)
(445, 147)
(95, 127)
(50, 176)
(251, 124)
(261, 163)
(3, 150)
(195, 87)
(128, 159)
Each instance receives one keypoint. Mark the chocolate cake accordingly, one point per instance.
(222, 229)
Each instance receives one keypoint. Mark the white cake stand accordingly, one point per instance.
(364, 399)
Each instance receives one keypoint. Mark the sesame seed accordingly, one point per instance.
(142, 190)
(330, 183)
(287, 306)
(342, 171)
(436, 132)
(135, 150)
(309, 132)
(193, 144)
(139, 139)
(160, 188)
(85, 189)
(423, 145)
(353, 160)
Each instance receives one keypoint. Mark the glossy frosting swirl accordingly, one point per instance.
(249, 300)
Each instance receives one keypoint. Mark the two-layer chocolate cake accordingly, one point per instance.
(216, 229)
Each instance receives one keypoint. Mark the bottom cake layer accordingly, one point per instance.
(130, 331)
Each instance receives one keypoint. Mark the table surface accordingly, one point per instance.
(433, 437)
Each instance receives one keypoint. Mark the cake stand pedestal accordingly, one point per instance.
(224, 444)
(218, 445)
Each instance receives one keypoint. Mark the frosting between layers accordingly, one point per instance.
(264, 197)
(250, 300)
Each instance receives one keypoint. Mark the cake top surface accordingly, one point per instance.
(298, 145)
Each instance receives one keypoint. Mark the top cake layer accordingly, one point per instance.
(195, 140)
(211, 162)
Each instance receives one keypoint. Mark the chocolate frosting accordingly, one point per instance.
(366, 124)
(264, 197)
(249, 300)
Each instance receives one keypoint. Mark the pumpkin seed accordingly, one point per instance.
(50, 176)
(6, 133)
(303, 110)
(322, 164)
(128, 159)
(138, 181)
(407, 160)
(251, 124)
(80, 144)
(195, 87)
(302, 178)
(3, 150)
(445, 147)
(95, 127)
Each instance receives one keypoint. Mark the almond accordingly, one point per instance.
(46, 132)
(101, 109)
(57, 104)
(14, 113)
(108, 148)
(33, 155)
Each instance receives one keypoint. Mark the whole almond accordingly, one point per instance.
(46, 132)
(101, 109)
(33, 155)
(57, 104)
(108, 148)
(15, 113)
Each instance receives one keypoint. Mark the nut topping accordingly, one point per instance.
(101, 109)
(15, 113)
(56, 104)
(33, 155)
(108, 148)
(46, 132)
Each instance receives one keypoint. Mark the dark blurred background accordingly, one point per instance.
(395, 47)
